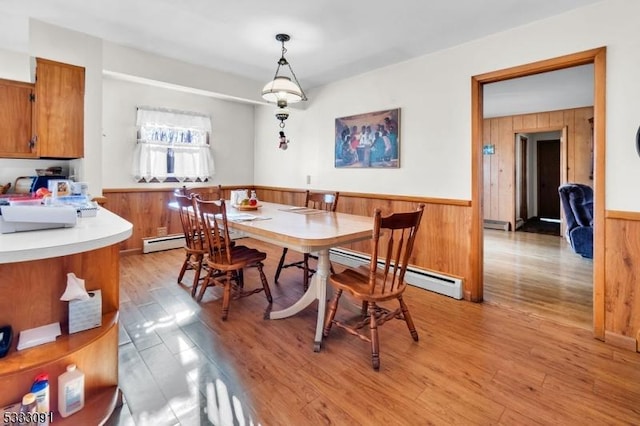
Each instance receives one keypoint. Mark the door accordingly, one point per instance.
(16, 110)
(548, 179)
(59, 109)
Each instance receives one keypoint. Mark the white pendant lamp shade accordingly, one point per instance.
(282, 88)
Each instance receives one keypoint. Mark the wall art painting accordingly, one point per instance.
(370, 140)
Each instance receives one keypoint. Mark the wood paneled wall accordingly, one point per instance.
(147, 210)
(443, 243)
(622, 280)
(499, 168)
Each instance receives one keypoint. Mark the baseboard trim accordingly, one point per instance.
(621, 341)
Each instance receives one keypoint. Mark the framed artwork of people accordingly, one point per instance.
(370, 140)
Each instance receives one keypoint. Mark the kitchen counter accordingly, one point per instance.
(34, 267)
(90, 233)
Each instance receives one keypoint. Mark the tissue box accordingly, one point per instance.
(85, 314)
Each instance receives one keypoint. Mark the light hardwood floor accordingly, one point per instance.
(540, 275)
(474, 364)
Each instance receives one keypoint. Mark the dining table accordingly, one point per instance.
(305, 230)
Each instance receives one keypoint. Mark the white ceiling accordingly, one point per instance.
(562, 89)
(330, 39)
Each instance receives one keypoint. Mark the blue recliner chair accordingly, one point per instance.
(577, 203)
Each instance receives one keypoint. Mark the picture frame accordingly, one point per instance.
(369, 140)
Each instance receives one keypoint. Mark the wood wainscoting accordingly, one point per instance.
(499, 169)
(443, 243)
(622, 281)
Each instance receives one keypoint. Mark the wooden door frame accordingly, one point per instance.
(597, 57)
(523, 142)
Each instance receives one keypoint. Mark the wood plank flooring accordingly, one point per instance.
(538, 274)
(475, 364)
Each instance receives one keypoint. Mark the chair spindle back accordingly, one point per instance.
(204, 193)
(213, 216)
(393, 238)
(190, 222)
(322, 201)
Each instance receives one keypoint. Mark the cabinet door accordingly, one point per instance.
(59, 109)
(16, 115)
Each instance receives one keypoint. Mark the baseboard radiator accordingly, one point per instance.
(428, 280)
(167, 242)
(496, 224)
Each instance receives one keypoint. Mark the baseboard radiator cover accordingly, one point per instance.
(167, 242)
(417, 277)
(496, 224)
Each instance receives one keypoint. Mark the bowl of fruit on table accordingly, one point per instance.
(248, 204)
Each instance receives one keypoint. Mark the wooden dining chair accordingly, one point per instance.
(313, 200)
(226, 260)
(204, 193)
(195, 244)
(383, 280)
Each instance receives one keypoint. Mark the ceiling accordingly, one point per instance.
(563, 89)
(330, 39)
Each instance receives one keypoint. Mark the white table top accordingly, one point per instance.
(298, 228)
(90, 233)
(303, 229)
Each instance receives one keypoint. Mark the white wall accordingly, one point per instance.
(71, 47)
(432, 91)
(125, 60)
(107, 161)
(50, 42)
(17, 66)
(231, 139)
(434, 95)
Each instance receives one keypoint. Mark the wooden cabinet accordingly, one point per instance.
(31, 285)
(45, 119)
(31, 292)
(59, 107)
(16, 119)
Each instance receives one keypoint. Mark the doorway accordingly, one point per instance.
(597, 57)
(538, 176)
(548, 182)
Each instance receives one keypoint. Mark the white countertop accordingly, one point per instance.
(90, 233)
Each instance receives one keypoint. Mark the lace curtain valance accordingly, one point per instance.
(172, 144)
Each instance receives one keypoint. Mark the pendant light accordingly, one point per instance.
(282, 90)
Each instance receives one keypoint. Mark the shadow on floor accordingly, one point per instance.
(538, 226)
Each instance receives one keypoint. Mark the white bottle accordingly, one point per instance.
(70, 391)
(29, 410)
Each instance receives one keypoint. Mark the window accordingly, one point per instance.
(172, 146)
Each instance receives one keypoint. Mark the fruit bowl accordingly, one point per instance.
(246, 207)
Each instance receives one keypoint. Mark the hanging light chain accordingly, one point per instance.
(283, 61)
(304, 95)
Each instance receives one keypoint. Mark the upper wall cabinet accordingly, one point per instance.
(16, 120)
(45, 119)
(59, 109)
